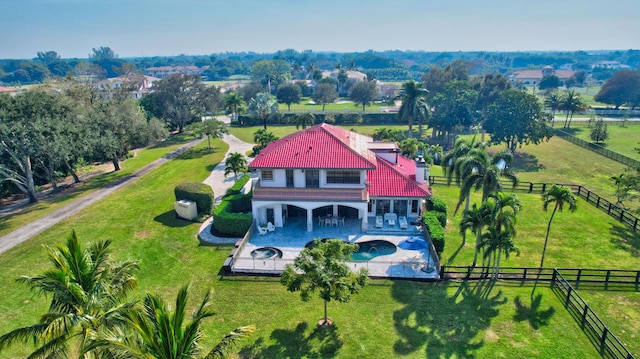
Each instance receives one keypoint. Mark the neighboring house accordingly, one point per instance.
(533, 77)
(137, 85)
(611, 65)
(166, 71)
(328, 170)
(7, 90)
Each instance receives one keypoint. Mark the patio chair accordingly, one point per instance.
(334, 220)
(262, 230)
(270, 227)
(379, 222)
(403, 222)
(320, 221)
(342, 221)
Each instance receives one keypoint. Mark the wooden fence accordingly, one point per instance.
(607, 343)
(598, 149)
(592, 198)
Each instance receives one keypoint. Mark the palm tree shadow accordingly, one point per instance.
(322, 342)
(533, 314)
(455, 254)
(526, 162)
(625, 238)
(447, 324)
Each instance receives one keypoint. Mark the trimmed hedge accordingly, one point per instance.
(350, 118)
(436, 204)
(230, 217)
(198, 192)
(434, 230)
(237, 187)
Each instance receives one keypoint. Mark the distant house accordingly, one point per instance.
(326, 170)
(611, 65)
(7, 90)
(166, 71)
(533, 77)
(137, 85)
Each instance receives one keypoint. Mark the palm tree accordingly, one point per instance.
(478, 170)
(414, 103)
(409, 147)
(572, 103)
(461, 147)
(553, 102)
(476, 219)
(262, 137)
(263, 105)
(235, 163)
(498, 241)
(304, 120)
(157, 331)
(233, 104)
(88, 292)
(559, 196)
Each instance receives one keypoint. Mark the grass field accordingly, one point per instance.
(345, 106)
(388, 319)
(621, 139)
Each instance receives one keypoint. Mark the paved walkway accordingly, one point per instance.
(23, 233)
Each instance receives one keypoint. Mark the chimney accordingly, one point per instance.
(421, 167)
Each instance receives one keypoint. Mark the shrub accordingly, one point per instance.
(436, 204)
(237, 187)
(434, 230)
(229, 223)
(198, 192)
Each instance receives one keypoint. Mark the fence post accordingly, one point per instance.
(622, 212)
(566, 304)
(530, 187)
(578, 278)
(544, 187)
(598, 202)
(441, 272)
(637, 279)
(609, 209)
(605, 331)
(606, 283)
(584, 315)
(553, 278)
(635, 224)
(524, 275)
(588, 194)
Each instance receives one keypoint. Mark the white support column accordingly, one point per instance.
(277, 214)
(309, 220)
(335, 210)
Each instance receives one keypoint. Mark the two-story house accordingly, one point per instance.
(326, 170)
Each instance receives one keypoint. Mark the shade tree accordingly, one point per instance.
(288, 94)
(324, 93)
(363, 93)
(620, 89)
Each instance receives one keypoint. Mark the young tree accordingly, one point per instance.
(263, 105)
(210, 128)
(157, 331)
(324, 94)
(235, 163)
(322, 268)
(234, 104)
(363, 93)
(289, 93)
(559, 197)
(87, 291)
(414, 104)
(599, 132)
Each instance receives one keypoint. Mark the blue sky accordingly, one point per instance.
(172, 27)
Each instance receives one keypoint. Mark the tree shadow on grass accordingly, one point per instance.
(199, 152)
(533, 314)
(447, 324)
(321, 342)
(625, 238)
(526, 162)
(170, 219)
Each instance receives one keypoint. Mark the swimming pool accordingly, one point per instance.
(368, 249)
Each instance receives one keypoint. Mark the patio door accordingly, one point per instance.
(312, 178)
(383, 206)
(400, 207)
(289, 175)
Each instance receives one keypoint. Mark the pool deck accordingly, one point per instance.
(291, 238)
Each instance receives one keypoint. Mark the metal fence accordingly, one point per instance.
(607, 343)
(598, 149)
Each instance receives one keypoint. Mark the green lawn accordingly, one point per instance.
(347, 106)
(388, 319)
(143, 157)
(621, 139)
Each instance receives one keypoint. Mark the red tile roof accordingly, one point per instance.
(319, 147)
(6, 89)
(396, 180)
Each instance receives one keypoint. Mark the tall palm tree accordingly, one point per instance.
(263, 105)
(157, 331)
(498, 241)
(88, 291)
(414, 104)
(560, 197)
(553, 102)
(304, 120)
(233, 104)
(572, 103)
(480, 171)
(461, 147)
(475, 219)
(235, 163)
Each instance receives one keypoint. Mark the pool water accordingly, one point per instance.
(369, 249)
(266, 252)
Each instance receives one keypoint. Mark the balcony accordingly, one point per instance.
(310, 194)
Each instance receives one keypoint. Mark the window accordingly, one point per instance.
(414, 206)
(312, 178)
(343, 177)
(267, 175)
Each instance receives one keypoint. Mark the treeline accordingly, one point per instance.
(49, 133)
(103, 62)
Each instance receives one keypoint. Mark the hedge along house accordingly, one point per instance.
(328, 171)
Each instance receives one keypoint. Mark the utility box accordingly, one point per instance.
(186, 209)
